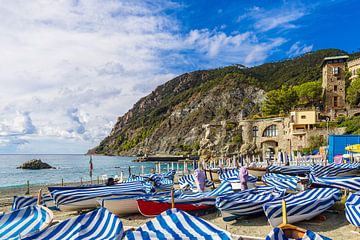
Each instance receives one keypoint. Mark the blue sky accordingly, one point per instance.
(70, 68)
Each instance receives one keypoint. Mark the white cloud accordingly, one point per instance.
(69, 68)
(297, 49)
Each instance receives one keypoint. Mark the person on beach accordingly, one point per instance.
(199, 175)
(243, 177)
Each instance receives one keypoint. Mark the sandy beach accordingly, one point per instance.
(335, 226)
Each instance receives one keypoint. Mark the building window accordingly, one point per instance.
(270, 131)
(335, 101)
(303, 116)
(335, 88)
(255, 130)
(336, 70)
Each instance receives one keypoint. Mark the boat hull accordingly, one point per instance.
(293, 219)
(257, 172)
(152, 208)
(120, 207)
(78, 206)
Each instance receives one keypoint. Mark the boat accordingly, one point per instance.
(188, 181)
(79, 199)
(18, 223)
(290, 170)
(248, 202)
(186, 201)
(25, 201)
(281, 181)
(352, 209)
(177, 224)
(333, 170)
(302, 206)
(126, 205)
(353, 148)
(343, 182)
(257, 171)
(97, 224)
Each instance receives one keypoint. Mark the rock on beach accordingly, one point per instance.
(35, 164)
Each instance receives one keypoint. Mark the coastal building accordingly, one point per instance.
(333, 83)
(354, 67)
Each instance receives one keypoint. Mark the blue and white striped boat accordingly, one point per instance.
(16, 224)
(289, 170)
(78, 199)
(333, 169)
(176, 224)
(232, 175)
(189, 181)
(346, 182)
(281, 181)
(25, 201)
(98, 224)
(247, 202)
(278, 234)
(302, 206)
(352, 209)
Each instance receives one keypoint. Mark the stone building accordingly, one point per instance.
(354, 67)
(333, 83)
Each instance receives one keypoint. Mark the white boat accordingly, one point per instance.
(120, 206)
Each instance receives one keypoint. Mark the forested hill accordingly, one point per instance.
(170, 119)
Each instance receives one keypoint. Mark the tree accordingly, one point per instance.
(309, 94)
(279, 101)
(353, 92)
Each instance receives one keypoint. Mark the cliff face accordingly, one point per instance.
(171, 118)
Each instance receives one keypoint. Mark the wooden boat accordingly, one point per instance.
(257, 171)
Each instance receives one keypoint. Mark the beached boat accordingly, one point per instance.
(188, 181)
(290, 170)
(257, 171)
(186, 201)
(302, 206)
(352, 209)
(18, 223)
(281, 181)
(79, 199)
(332, 170)
(176, 224)
(98, 224)
(247, 202)
(344, 182)
(25, 201)
(125, 205)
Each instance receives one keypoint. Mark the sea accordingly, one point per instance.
(68, 168)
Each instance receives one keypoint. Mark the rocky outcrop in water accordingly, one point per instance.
(35, 164)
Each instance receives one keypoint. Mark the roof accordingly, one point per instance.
(334, 58)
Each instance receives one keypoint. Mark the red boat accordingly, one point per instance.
(153, 208)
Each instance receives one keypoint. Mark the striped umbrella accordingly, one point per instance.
(352, 209)
(16, 224)
(176, 224)
(98, 224)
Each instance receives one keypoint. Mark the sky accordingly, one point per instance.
(69, 69)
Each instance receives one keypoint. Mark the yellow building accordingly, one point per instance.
(354, 67)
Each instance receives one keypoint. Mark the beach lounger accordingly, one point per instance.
(352, 209)
(98, 224)
(302, 206)
(16, 224)
(176, 224)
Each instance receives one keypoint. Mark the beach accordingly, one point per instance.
(335, 226)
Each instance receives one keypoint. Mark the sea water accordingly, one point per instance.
(70, 168)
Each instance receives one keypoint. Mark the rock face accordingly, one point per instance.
(35, 164)
(170, 120)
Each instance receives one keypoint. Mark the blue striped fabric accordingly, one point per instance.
(63, 197)
(281, 181)
(232, 175)
(189, 181)
(346, 182)
(278, 234)
(165, 184)
(98, 224)
(16, 224)
(247, 202)
(176, 224)
(352, 209)
(134, 178)
(289, 170)
(333, 169)
(302, 206)
(25, 201)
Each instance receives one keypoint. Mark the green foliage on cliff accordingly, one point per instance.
(353, 92)
(352, 125)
